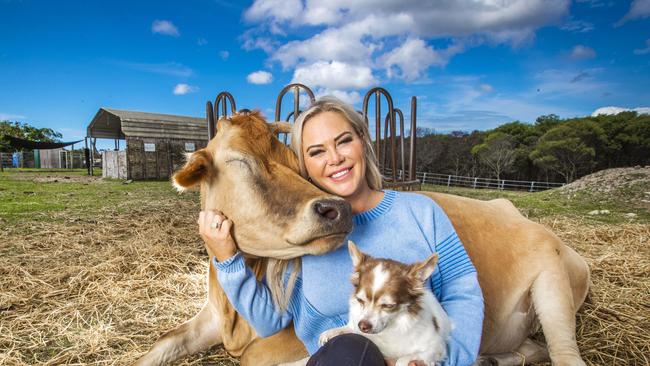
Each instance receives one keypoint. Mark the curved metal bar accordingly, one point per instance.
(209, 117)
(378, 91)
(220, 100)
(296, 99)
(412, 162)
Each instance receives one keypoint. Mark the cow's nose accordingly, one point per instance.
(328, 209)
(365, 326)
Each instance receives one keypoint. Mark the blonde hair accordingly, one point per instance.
(356, 121)
(279, 281)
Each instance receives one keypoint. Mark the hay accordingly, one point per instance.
(101, 290)
(614, 323)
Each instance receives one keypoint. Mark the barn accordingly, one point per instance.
(155, 143)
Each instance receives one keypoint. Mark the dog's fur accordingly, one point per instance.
(391, 306)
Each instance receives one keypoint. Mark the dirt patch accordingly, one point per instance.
(55, 177)
(631, 185)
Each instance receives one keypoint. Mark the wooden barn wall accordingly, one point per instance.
(160, 164)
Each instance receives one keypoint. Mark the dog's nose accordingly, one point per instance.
(365, 326)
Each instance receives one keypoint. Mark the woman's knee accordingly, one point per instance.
(348, 350)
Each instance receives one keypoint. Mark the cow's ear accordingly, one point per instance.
(199, 166)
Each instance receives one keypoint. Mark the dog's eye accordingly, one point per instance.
(361, 301)
(388, 306)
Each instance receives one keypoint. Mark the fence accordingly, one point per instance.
(483, 183)
(46, 159)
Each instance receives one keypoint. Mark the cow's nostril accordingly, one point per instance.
(326, 210)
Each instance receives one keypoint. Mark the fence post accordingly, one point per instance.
(424, 178)
(448, 181)
(475, 180)
(503, 183)
(532, 186)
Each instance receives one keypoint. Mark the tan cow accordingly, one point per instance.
(528, 276)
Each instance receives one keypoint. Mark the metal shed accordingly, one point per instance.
(155, 143)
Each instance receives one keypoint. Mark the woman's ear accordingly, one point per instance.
(199, 166)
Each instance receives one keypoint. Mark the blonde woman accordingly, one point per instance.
(334, 148)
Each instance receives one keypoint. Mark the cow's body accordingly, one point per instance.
(528, 277)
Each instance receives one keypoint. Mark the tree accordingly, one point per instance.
(569, 149)
(25, 131)
(497, 153)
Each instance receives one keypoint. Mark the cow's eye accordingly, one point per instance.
(242, 162)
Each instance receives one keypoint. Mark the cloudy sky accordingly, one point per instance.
(473, 64)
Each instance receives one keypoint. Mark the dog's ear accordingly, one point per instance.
(356, 255)
(423, 270)
(198, 167)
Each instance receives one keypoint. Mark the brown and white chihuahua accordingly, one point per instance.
(391, 306)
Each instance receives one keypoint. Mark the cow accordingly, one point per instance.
(528, 276)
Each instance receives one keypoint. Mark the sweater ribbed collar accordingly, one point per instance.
(383, 207)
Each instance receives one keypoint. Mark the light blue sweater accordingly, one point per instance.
(406, 227)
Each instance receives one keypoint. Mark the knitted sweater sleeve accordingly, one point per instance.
(459, 293)
(250, 297)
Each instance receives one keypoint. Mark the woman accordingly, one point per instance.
(335, 153)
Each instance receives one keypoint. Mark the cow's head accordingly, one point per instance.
(249, 175)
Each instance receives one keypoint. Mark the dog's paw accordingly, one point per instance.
(329, 334)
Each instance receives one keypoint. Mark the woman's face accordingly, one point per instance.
(333, 154)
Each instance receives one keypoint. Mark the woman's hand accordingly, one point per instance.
(214, 228)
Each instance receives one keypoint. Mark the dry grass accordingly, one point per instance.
(100, 290)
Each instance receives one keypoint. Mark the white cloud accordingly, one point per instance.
(617, 110)
(334, 75)
(259, 77)
(224, 55)
(369, 32)
(201, 41)
(410, 60)
(643, 51)
(352, 97)
(639, 9)
(577, 26)
(164, 27)
(580, 52)
(10, 117)
(182, 89)
(486, 88)
(166, 68)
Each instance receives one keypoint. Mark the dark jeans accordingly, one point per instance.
(348, 350)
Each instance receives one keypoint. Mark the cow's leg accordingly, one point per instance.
(528, 353)
(197, 334)
(280, 348)
(554, 305)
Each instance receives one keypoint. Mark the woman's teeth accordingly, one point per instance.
(340, 174)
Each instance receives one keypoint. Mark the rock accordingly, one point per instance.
(604, 212)
(594, 212)
(630, 215)
(129, 181)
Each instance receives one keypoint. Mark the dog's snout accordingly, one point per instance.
(332, 210)
(365, 326)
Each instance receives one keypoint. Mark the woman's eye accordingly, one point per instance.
(345, 140)
(314, 153)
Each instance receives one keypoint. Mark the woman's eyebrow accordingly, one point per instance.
(335, 139)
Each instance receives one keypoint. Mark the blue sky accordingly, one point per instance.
(472, 64)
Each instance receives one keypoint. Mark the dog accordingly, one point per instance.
(391, 306)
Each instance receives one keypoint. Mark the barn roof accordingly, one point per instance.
(115, 123)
